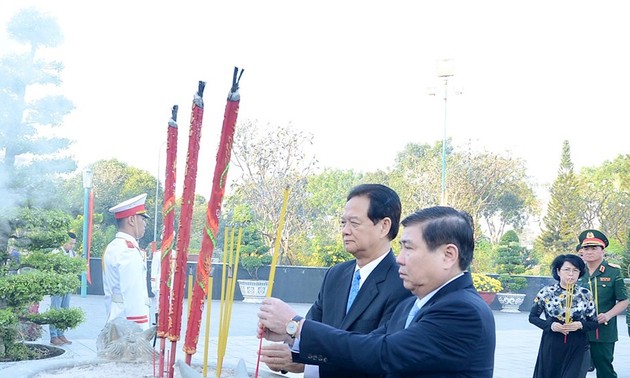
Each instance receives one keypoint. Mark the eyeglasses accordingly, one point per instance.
(570, 270)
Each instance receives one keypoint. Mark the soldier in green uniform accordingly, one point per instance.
(609, 292)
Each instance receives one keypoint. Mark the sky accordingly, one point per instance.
(354, 74)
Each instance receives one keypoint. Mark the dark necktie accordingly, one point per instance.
(354, 289)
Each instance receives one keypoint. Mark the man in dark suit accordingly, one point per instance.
(369, 223)
(446, 330)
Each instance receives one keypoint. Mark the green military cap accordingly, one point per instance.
(593, 237)
(578, 247)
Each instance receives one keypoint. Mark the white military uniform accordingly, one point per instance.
(124, 280)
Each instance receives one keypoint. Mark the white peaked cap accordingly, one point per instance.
(133, 206)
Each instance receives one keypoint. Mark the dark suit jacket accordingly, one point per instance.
(453, 335)
(373, 306)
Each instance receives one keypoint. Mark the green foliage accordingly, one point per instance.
(512, 284)
(24, 289)
(484, 256)
(626, 258)
(326, 253)
(563, 221)
(41, 228)
(254, 253)
(8, 323)
(20, 352)
(55, 262)
(491, 187)
(607, 200)
(61, 318)
(510, 262)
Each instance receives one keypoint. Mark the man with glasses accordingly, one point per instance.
(605, 281)
(124, 265)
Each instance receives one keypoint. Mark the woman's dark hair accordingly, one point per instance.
(574, 260)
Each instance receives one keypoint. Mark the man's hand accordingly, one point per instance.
(274, 315)
(278, 357)
(603, 318)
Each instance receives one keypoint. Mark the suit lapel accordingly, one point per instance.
(369, 290)
(457, 284)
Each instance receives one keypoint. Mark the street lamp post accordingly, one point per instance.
(445, 70)
(87, 188)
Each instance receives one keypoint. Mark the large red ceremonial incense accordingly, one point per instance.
(185, 220)
(168, 235)
(208, 242)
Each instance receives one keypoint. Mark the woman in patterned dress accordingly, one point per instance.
(569, 314)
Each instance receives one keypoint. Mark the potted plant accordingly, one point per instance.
(510, 263)
(486, 286)
(253, 255)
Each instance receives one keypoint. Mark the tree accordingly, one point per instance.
(607, 198)
(490, 187)
(34, 155)
(113, 182)
(31, 155)
(327, 192)
(511, 259)
(37, 232)
(563, 221)
(270, 159)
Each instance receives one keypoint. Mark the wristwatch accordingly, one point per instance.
(293, 325)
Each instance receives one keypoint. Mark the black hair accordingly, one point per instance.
(384, 203)
(572, 259)
(446, 225)
(72, 235)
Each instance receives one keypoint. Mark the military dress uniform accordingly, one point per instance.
(606, 284)
(125, 271)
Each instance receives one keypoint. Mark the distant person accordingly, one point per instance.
(14, 258)
(57, 302)
(124, 265)
(446, 330)
(369, 223)
(569, 314)
(605, 281)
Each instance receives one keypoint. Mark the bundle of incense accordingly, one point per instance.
(569, 302)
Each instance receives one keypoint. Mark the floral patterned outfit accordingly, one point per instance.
(560, 356)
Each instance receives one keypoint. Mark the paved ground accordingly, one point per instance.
(517, 341)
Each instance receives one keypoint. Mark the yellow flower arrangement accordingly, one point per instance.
(484, 283)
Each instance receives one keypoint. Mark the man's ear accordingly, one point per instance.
(386, 226)
(451, 254)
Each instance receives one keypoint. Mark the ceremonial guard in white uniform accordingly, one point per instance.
(125, 267)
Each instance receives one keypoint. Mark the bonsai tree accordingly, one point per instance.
(38, 273)
(254, 253)
(510, 262)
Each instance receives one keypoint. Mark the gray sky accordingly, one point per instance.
(353, 73)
